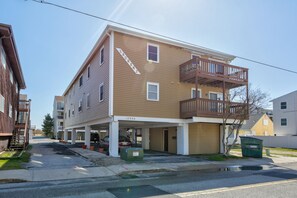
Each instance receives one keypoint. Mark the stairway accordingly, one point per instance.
(20, 137)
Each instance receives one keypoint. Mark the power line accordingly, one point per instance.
(160, 35)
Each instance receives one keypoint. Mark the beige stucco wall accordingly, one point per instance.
(130, 90)
(204, 138)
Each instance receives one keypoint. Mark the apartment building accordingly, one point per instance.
(11, 82)
(173, 94)
(285, 114)
(58, 116)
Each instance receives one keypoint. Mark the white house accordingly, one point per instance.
(285, 114)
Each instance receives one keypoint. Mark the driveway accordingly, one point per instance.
(47, 154)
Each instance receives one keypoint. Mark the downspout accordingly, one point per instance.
(111, 73)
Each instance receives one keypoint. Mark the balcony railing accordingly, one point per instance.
(201, 107)
(60, 117)
(24, 105)
(207, 69)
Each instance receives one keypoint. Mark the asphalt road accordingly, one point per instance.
(271, 182)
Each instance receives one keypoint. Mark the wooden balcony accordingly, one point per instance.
(212, 73)
(201, 107)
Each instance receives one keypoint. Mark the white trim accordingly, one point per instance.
(158, 52)
(90, 123)
(88, 97)
(149, 119)
(111, 73)
(147, 91)
(2, 104)
(100, 56)
(101, 85)
(194, 89)
(210, 120)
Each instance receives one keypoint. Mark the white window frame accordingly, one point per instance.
(158, 52)
(101, 85)
(147, 91)
(81, 81)
(88, 101)
(194, 89)
(2, 104)
(101, 55)
(10, 110)
(3, 57)
(11, 76)
(80, 105)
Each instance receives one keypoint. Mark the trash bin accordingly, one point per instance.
(132, 154)
(251, 147)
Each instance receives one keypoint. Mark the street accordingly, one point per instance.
(244, 181)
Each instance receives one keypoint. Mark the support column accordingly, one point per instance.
(73, 136)
(183, 139)
(145, 133)
(65, 135)
(114, 139)
(88, 136)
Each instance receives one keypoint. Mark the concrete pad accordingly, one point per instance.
(104, 194)
(16, 174)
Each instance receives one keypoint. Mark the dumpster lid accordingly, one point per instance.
(248, 137)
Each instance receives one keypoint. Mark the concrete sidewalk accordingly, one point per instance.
(115, 166)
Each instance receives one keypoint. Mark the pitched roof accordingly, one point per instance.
(254, 118)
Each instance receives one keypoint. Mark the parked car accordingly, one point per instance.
(123, 142)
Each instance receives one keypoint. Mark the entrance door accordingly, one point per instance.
(215, 106)
(165, 132)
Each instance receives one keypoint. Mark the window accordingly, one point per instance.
(88, 101)
(81, 81)
(101, 92)
(2, 103)
(3, 58)
(265, 122)
(153, 53)
(16, 87)
(69, 113)
(152, 91)
(60, 105)
(80, 105)
(283, 122)
(15, 115)
(10, 110)
(101, 55)
(193, 93)
(88, 72)
(73, 110)
(11, 76)
(283, 105)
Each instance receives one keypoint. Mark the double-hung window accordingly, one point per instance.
(283, 105)
(3, 58)
(101, 92)
(2, 103)
(153, 53)
(283, 122)
(101, 57)
(80, 105)
(81, 81)
(152, 91)
(88, 101)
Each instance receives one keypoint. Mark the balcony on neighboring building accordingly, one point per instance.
(24, 105)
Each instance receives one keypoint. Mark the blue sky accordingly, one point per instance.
(52, 43)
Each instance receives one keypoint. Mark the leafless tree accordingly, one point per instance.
(241, 103)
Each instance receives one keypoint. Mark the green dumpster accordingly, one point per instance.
(132, 154)
(251, 147)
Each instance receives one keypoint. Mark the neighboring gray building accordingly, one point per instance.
(285, 114)
(58, 116)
